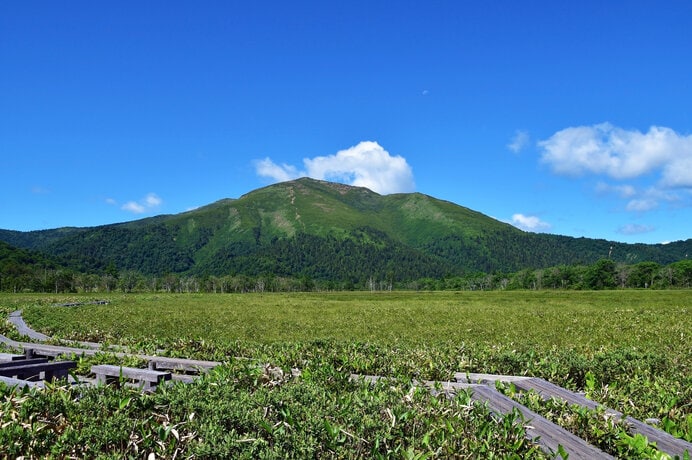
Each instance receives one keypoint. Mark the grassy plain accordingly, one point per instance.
(582, 320)
(627, 349)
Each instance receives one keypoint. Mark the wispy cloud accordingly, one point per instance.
(365, 165)
(623, 191)
(39, 190)
(280, 173)
(519, 142)
(639, 199)
(635, 229)
(530, 223)
(149, 203)
(641, 204)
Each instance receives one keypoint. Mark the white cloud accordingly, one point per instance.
(624, 191)
(641, 204)
(519, 141)
(134, 207)
(365, 165)
(659, 157)
(146, 204)
(280, 173)
(635, 229)
(152, 200)
(621, 154)
(678, 173)
(530, 223)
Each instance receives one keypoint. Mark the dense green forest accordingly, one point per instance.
(27, 271)
(307, 234)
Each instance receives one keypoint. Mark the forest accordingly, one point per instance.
(306, 235)
(333, 267)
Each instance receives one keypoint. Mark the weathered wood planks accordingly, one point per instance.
(147, 378)
(546, 434)
(7, 357)
(35, 371)
(12, 382)
(664, 441)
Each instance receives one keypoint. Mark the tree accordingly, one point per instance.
(682, 273)
(601, 275)
(644, 274)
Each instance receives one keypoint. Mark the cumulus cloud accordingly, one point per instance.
(519, 141)
(530, 223)
(635, 229)
(146, 204)
(365, 165)
(621, 154)
(660, 157)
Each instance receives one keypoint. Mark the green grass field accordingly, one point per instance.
(627, 349)
(577, 320)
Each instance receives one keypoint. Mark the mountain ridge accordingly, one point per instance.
(307, 227)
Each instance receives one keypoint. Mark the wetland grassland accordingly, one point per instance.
(629, 349)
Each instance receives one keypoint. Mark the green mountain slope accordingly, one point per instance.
(326, 230)
(19, 267)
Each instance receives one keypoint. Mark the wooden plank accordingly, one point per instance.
(8, 364)
(664, 441)
(6, 357)
(158, 362)
(180, 364)
(472, 377)
(22, 328)
(540, 430)
(35, 349)
(51, 370)
(19, 383)
(106, 373)
(543, 432)
(161, 362)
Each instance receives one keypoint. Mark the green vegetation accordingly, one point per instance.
(581, 320)
(329, 233)
(627, 349)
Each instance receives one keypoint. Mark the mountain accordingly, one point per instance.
(18, 266)
(327, 230)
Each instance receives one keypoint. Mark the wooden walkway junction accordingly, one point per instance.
(36, 362)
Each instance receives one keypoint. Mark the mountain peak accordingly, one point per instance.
(336, 186)
(326, 230)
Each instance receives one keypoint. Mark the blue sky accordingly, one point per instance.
(572, 118)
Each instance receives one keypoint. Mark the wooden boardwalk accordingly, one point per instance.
(546, 434)
(179, 369)
(549, 436)
(664, 442)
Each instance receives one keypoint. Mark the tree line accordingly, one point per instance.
(43, 276)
